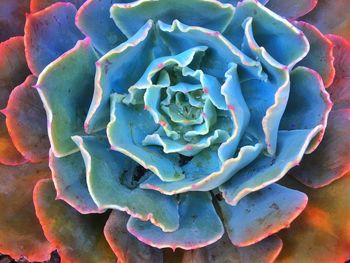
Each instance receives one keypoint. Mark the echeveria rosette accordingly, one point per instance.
(164, 115)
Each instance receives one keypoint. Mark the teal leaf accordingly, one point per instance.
(112, 183)
(283, 41)
(94, 21)
(308, 105)
(199, 225)
(130, 17)
(66, 87)
(113, 74)
(129, 125)
(261, 214)
(266, 170)
(200, 177)
(69, 177)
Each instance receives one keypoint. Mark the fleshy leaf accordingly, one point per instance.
(284, 42)
(331, 17)
(129, 125)
(199, 225)
(198, 175)
(13, 67)
(291, 9)
(308, 105)
(179, 37)
(20, 231)
(321, 232)
(339, 91)
(26, 122)
(320, 58)
(68, 81)
(199, 178)
(261, 214)
(93, 19)
(55, 22)
(125, 246)
(69, 177)
(330, 161)
(9, 155)
(266, 113)
(131, 16)
(37, 5)
(12, 18)
(265, 251)
(108, 176)
(112, 74)
(267, 170)
(78, 238)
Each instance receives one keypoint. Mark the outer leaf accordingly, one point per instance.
(20, 231)
(291, 9)
(320, 58)
(69, 177)
(323, 227)
(108, 176)
(26, 122)
(331, 17)
(199, 225)
(126, 247)
(265, 251)
(13, 67)
(330, 161)
(68, 81)
(37, 5)
(339, 91)
(12, 18)
(93, 19)
(55, 22)
(130, 17)
(78, 238)
(261, 214)
(8, 152)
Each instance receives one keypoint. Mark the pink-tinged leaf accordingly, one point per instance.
(330, 160)
(331, 17)
(199, 225)
(48, 34)
(69, 177)
(322, 232)
(261, 214)
(12, 18)
(78, 238)
(20, 231)
(13, 67)
(8, 152)
(125, 246)
(265, 251)
(26, 122)
(320, 57)
(340, 89)
(37, 5)
(291, 9)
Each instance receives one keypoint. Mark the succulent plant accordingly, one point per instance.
(188, 124)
